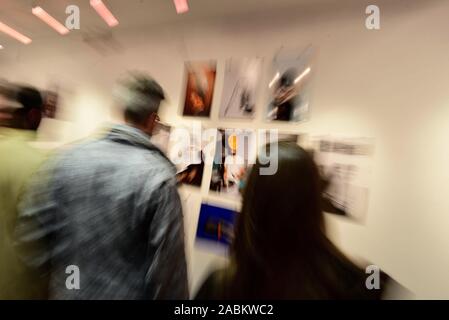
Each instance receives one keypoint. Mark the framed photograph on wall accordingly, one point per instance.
(200, 87)
(51, 99)
(345, 169)
(235, 152)
(290, 86)
(187, 150)
(216, 225)
(240, 88)
(276, 136)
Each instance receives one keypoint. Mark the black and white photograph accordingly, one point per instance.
(240, 88)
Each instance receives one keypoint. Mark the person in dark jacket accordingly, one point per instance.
(280, 249)
(109, 211)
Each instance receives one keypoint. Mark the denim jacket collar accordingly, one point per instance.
(123, 133)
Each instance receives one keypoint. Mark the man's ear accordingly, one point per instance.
(150, 123)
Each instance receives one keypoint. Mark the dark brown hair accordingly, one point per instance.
(280, 250)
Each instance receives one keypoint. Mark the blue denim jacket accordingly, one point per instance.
(111, 208)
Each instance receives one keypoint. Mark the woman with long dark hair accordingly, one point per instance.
(280, 249)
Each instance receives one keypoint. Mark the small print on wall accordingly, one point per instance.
(273, 137)
(290, 86)
(199, 88)
(268, 141)
(216, 225)
(50, 103)
(241, 81)
(345, 169)
(235, 152)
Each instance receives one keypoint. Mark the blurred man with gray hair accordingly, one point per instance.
(110, 212)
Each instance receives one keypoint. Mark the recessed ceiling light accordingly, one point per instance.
(181, 6)
(104, 12)
(48, 19)
(14, 34)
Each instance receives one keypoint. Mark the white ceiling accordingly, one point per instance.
(132, 13)
(148, 13)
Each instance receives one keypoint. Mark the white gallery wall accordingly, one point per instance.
(390, 84)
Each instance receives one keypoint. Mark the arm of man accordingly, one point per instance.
(36, 221)
(34, 228)
(167, 274)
